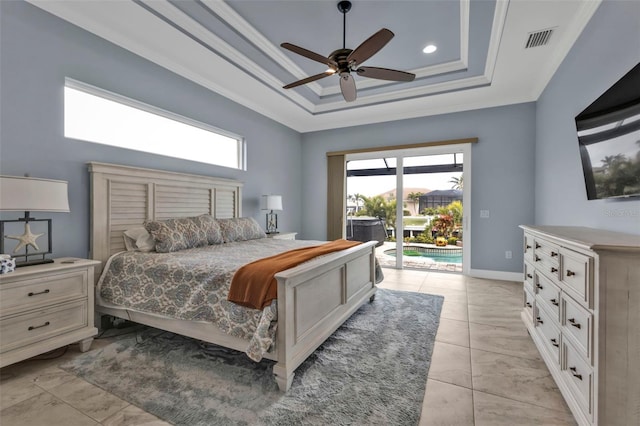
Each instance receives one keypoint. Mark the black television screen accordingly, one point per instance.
(609, 140)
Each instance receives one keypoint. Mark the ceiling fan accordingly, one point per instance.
(344, 61)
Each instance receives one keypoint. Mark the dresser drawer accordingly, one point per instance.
(529, 274)
(547, 326)
(549, 294)
(547, 252)
(579, 376)
(528, 303)
(576, 275)
(528, 247)
(42, 324)
(28, 294)
(577, 323)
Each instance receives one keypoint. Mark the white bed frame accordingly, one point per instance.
(314, 299)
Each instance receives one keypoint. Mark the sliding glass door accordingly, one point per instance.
(413, 202)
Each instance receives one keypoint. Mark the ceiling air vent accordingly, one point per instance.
(538, 38)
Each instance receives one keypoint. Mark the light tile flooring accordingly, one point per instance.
(485, 369)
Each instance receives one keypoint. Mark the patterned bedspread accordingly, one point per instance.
(193, 285)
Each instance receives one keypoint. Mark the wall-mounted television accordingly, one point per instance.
(609, 140)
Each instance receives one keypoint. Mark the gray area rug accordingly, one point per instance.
(371, 371)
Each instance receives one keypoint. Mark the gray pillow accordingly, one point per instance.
(184, 233)
(240, 229)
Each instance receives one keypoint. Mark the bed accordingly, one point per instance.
(313, 298)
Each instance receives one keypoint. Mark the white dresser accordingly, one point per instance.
(44, 307)
(582, 309)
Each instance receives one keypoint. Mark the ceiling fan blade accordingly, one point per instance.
(348, 87)
(308, 80)
(385, 74)
(309, 54)
(370, 46)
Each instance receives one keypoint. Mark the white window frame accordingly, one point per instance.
(240, 155)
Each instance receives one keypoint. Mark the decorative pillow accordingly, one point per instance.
(184, 233)
(211, 228)
(138, 239)
(240, 229)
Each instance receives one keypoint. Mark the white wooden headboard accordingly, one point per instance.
(123, 197)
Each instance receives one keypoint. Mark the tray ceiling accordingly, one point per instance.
(233, 48)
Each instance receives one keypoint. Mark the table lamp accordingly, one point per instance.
(271, 203)
(30, 194)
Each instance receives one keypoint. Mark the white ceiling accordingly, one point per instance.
(233, 48)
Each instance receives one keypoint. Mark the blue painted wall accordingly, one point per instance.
(606, 50)
(40, 50)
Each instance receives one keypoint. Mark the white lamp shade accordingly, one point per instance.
(33, 194)
(271, 202)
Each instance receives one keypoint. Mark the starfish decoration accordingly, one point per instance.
(27, 239)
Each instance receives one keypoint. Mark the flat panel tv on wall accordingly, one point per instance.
(609, 140)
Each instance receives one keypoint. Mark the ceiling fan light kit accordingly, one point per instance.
(344, 61)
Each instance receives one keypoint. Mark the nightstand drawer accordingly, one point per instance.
(42, 324)
(283, 236)
(34, 293)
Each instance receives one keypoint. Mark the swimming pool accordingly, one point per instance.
(437, 254)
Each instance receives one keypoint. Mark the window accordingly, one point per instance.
(95, 115)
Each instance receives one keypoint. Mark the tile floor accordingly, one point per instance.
(485, 369)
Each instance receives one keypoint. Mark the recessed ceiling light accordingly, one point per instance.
(430, 48)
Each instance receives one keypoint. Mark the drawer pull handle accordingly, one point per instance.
(537, 259)
(570, 273)
(539, 286)
(539, 320)
(538, 245)
(554, 254)
(528, 304)
(527, 247)
(529, 276)
(575, 374)
(33, 327)
(31, 294)
(573, 322)
(554, 269)
(554, 342)
(554, 302)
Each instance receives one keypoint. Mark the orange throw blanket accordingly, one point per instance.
(254, 284)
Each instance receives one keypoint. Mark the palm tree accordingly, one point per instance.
(457, 182)
(377, 206)
(357, 198)
(415, 197)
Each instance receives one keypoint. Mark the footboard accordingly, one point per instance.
(315, 298)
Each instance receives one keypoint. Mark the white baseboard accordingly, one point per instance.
(496, 275)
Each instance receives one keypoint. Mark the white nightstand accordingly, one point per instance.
(283, 236)
(44, 307)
